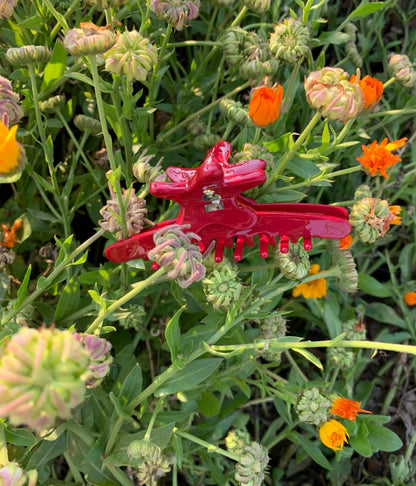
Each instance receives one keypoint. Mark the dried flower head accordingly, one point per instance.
(329, 91)
(372, 89)
(99, 357)
(312, 406)
(264, 107)
(252, 465)
(6, 256)
(401, 68)
(13, 475)
(272, 327)
(88, 39)
(410, 298)
(333, 434)
(290, 40)
(175, 12)
(132, 55)
(134, 209)
(7, 8)
(345, 408)
(377, 157)
(315, 289)
(22, 56)
(42, 376)
(175, 251)
(12, 154)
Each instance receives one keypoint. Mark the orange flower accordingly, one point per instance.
(264, 107)
(345, 243)
(377, 157)
(394, 211)
(410, 298)
(346, 408)
(333, 434)
(9, 236)
(9, 149)
(311, 290)
(372, 89)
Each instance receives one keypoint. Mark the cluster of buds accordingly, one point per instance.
(13, 475)
(312, 406)
(88, 39)
(371, 218)
(222, 287)
(290, 40)
(234, 111)
(175, 251)
(88, 124)
(7, 8)
(252, 465)
(23, 56)
(175, 12)
(236, 440)
(10, 110)
(99, 357)
(132, 55)
(401, 68)
(50, 367)
(134, 210)
(295, 263)
(329, 91)
(143, 171)
(153, 463)
(258, 6)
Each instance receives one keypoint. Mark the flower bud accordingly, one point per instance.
(10, 110)
(312, 406)
(143, 171)
(12, 475)
(273, 327)
(340, 358)
(7, 8)
(401, 68)
(348, 279)
(236, 440)
(88, 124)
(99, 357)
(258, 61)
(153, 463)
(233, 42)
(206, 140)
(132, 55)
(251, 466)
(53, 104)
(50, 367)
(295, 263)
(290, 40)
(22, 56)
(88, 39)
(175, 12)
(234, 111)
(222, 287)
(355, 330)
(258, 6)
(330, 92)
(361, 192)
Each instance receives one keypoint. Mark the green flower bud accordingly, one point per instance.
(251, 466)
(290, 40)
(258, 60)
(22, 56)
(312, 406)
(355, 330)
(295, 263)
(348, 279)
(206, 140)
(88, 39)
(341, 358)
(143, 171)
(50, 368)
(258, 6)
(52, 104)
(234, 111)
(362, 192)
(222, 287)
(273, 327)
(401, 68)
(7, 8)
(233, 42)
(88, 124)
(370, 219)
(153, 463)
(132, 55)
(13, 475)
(351, 48)
(236, 440)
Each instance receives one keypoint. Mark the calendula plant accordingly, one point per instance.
(179, 365)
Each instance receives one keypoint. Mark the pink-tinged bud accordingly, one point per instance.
(175, 12)
(22, 56)
(401, 67)
(330, 92)
(13, 475)
(88, 39)
(100, 359)
(42, 377)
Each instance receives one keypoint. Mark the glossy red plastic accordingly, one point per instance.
(212, 205)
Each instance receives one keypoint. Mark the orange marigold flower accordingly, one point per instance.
(372, 89)
(346, 408)
(333, 434)
(9, 235)
(264, 107)
(377, 157)
(345, 243)
(410, 298)
(9, 149)
(311, 290)
(394, 211)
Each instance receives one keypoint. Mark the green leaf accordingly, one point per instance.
(382, 438)
(331, 38)
(4, 284)
(48, 450)
(208, 404)
(303, 168)
(359, 442)
(69, 300)
(81, 260)
(384, 313)
(173, 337)
(131, 386)
(190, 376)
(56, 66)
(312, 448)
(373, 287)
(365, 9)
(309, 356)
(20, 437)
(22, 292)
(325, 137)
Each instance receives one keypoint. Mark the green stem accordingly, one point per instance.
(115, 429)
(295, 366)
(288, 156)
(239, 17)
(4, 457)
(189, 43)
(207, 445)
(389, 82)
(49, 280)
(157, 409)
(156, 277)
(107, 140)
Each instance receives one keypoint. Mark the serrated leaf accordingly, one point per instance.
(371, 286)
(309, 356)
